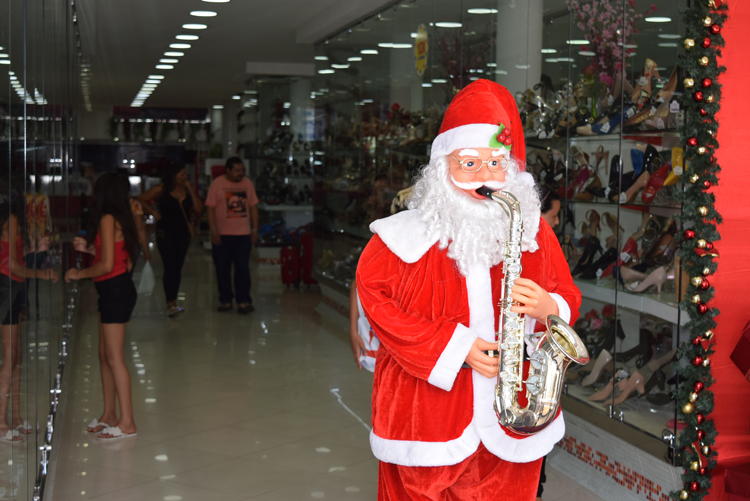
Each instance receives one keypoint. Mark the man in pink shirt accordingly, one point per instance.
(233, 219)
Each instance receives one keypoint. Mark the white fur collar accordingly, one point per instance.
(405, 234)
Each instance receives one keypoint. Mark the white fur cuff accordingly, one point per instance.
(446, 369)
(562, 305)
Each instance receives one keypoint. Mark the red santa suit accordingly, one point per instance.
(434, 426)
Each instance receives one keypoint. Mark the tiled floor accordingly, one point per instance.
(228, 407)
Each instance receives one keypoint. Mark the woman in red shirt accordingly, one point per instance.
(13, 275)
(113, 233)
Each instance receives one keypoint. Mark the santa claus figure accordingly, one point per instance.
(430, 281)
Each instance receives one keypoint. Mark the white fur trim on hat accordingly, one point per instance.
(465, 136)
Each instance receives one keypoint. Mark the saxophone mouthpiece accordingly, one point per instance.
(485, 192)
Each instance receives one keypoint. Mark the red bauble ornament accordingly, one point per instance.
(702, 112)
(697, 360)
(695, 486)
(698, 96)
(709, 246)
(715, 29)
(706, 184)
(706, 82)
(702, 471)
(706, 43)
(701, 434)
(702, 308)
(692, 141)
(697, 386)
(696, 341)
(689, 234)
(699, 418)
(704, 285)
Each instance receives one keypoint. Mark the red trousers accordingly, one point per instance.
(481, 476)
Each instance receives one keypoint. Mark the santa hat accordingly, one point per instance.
(482, 115)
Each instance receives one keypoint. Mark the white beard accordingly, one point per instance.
(474, 231)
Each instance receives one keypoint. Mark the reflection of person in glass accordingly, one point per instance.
(13, 275)
(113, 235)
(430, 282)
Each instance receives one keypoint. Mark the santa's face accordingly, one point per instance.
(491, 171)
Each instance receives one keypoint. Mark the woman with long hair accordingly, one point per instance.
(13, 275)
(114, 236)
(176, 200)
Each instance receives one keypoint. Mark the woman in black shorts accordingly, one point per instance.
(176, 199)
(113, 233)
(13, 275)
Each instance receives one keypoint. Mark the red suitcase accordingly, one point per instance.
(307, 258)
(290, 265)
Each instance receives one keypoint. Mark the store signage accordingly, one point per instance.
(420, 50)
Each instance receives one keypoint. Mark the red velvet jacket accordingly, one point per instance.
(427, 410)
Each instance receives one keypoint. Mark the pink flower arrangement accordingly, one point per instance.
(602, 24)
(596, 324)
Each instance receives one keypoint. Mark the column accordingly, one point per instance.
(519, 43)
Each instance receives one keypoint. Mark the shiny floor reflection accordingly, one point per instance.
(228, 407)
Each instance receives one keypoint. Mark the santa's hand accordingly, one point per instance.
(358, 346)
(535, 301)
(483, 364)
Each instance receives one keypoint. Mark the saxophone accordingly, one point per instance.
(558, 347)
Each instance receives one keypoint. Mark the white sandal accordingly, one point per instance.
(26, 428)
(94, 423)
(115, 432)
(10, 435)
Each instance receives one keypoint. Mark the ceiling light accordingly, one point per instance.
(4, 55)
(236, 97)
(4, 61)
(216, 1)
(326, 71)
(153, 81)
(164, 67)
(550, 60)
(401, 46)
(577, 42)
(218, 106)
(287, 105)
(448, 25)
(439, 80)
(413, 35)
(148, 86)
(667, 44)
(658, 19)
(482, 11)
(187, 37)
(362, 29)
(523, 66)
(385, 45)
(564, 59)
(203, 13)
(340, 66)
(168, 61)
(174, 54)
(549, 51)
(586, 53)
(368, 51)
(670, 36)
(354, 59)
(367, 101)
(426, 84)
(156, 77)
(180, 45)
(194, 26)
(321, 58)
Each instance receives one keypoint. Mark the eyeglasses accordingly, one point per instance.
(475, 164)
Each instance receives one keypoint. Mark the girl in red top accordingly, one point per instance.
(113, 233)
(13, 275)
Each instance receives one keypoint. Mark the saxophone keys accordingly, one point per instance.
(508, 378)
(511, 360)
(533, 385)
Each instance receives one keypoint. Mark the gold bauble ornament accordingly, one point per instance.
(694, 178)
(689, 43)
(703, 61)
(688, 83)
(684, 495)
(707, 21)
(701, 244)
(688, 408)
(696, 299)
(709, 98)
(708, 334)
(702, 150)
(693, 397)
(705, 450)
(695, 466)
(703, 210)
(696, 281)
(706, 362)
(706, 271)
(711, 4)
(711, 132)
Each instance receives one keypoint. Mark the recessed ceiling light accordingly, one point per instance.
(180, 45)
(426, 84)
(491, 65)
(658, 19)
(564, 59)
(448, 25)
(550, 60)
(218, 106)
(169, 61)
(368, 51)
(482, 11)
(236, 97)
(354, 59)
(321, 58)
(523, 66)
(148, 86)
(401, 46)
(586, 53)
(187, 37)
(577, 42)
(194, 26)
(340, 66)
(153, 81)
(326, 71)
(439, 80)
(174, 54)
(156, 77)
(549, 51)
(413, 35)
(668, 44)
(670, 36)
(164, 67)
(216, 1)
(203, 13)
(5, 61)
(386, 45)
(367, 101)
(4, 55)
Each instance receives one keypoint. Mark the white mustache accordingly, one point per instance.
(492, 184)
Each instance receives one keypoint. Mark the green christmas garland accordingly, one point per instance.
(704, 20)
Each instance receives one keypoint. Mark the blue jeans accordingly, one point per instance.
(233, 249)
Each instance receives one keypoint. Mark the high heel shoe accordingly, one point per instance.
(613, 331)
(600, 155)
(593, 218)
(635, 383)
(657, 379)
(657, 278)
(630, 275)
(608, 388)
(655, 183)
(628, 195)
(677, 168)
(644, 349)
(664, 251)
(637, 158)
(629, 253)
(660, 362)
(589, 253)
(602, 360)
(606, 259)
(642, 91)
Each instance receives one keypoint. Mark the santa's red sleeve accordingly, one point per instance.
(560, 283)
(429, 349)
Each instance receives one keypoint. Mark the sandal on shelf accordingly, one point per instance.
(115, 433)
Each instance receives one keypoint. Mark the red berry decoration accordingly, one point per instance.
(508, 141)
(698, 96)
(701, 434)
(700, 418)
(706, 184)
(702, 112)
(706, 83)
(704, 285)
(702, 308)
(506, 131)
(715, 29)
(697, 386)
(692, 141)
(697, 360)
(695, 486)
(689, 234)
(706, 43)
